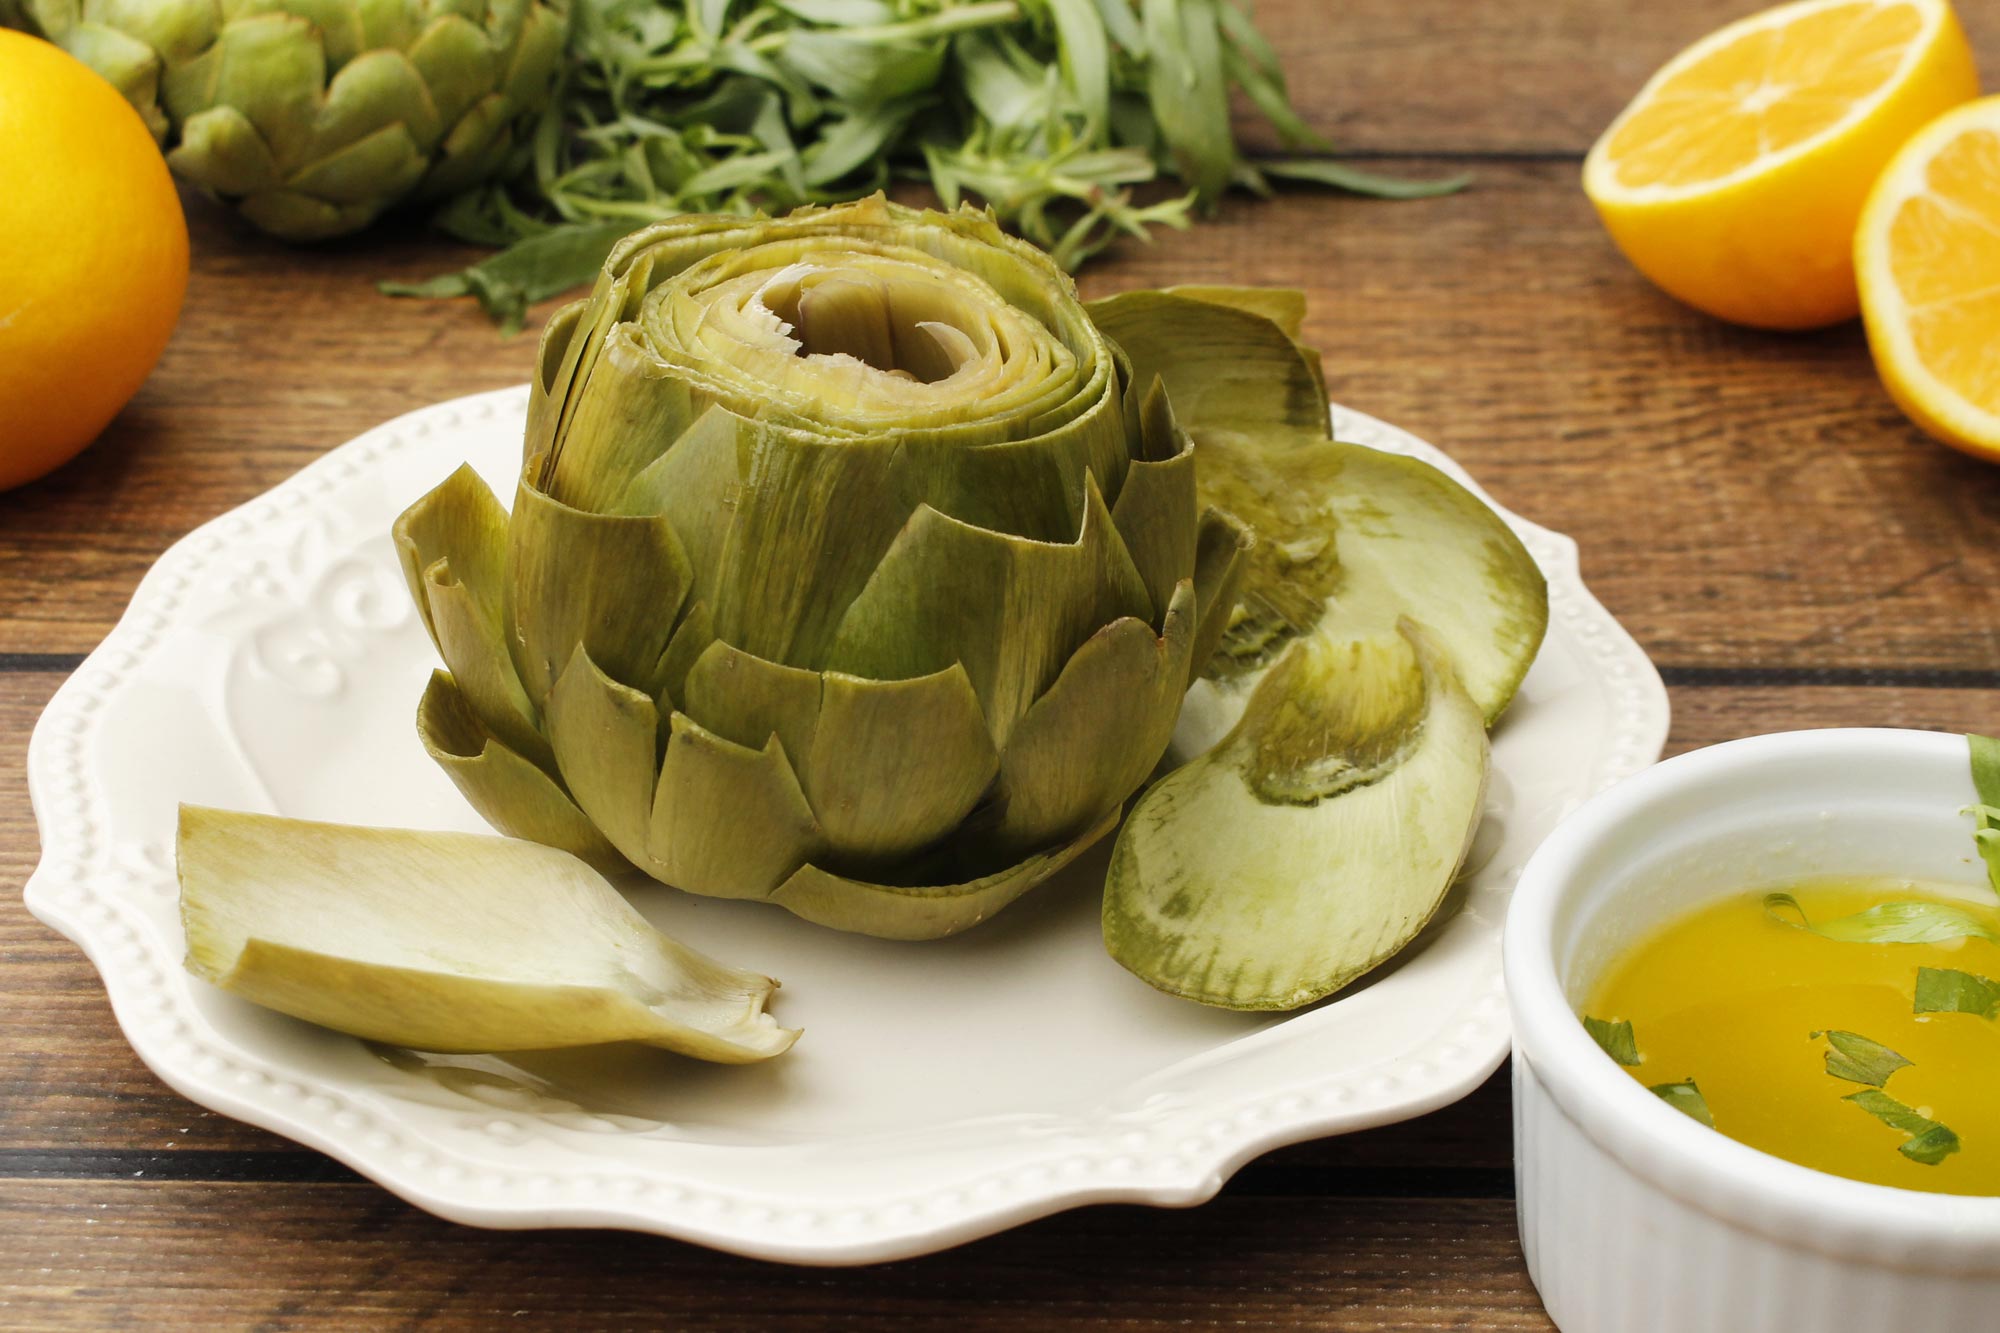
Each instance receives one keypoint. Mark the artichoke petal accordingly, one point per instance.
(1091, 740)
(457, 67)
(743, 698)
(1155, 513)
(453, 547)
(301, 217)
(924, 912)
(510, 793)
(1222, 549)
(129, 64)
(269, 66)
(1224, 366)
(366, 173)
(606, 741)
(695, 485)
(1010, 610)
(896, 765)
(220, 150)
(728, 820)
(374, 91)
(576, 577)
(449, 942)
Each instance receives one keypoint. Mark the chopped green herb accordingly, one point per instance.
(1929, 1142)
(1856, 1059)
(1986, 813)
(1686, 1098)
(1615, 1038)
(1946, 990)
(1885, 923)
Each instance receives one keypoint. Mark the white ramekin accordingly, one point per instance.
(1633, 1216)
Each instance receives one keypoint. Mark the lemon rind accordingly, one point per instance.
(1903, 370)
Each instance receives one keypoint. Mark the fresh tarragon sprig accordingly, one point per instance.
(1065, 117)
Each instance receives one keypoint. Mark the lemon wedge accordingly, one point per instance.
(1735, 178)
(1927, 254)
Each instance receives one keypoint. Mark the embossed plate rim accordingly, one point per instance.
(75, 890)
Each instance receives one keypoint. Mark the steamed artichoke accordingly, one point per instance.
(313, 116)
(850, 567)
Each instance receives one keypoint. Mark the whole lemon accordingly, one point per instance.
(93, 256)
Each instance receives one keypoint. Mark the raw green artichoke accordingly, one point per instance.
(313, 116)
(850, 567)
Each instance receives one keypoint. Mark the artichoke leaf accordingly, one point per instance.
(606, 741)
(1099, 731)
(924, 912)
(449, 942)
(511, 793)
(1316, 840)
(1224, 365)
(1350, 540)
(728, 820)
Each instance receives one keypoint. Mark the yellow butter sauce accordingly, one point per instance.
(1729, 997)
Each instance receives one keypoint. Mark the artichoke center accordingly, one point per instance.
(907, 328)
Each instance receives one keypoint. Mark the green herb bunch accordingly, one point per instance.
(1053, 113)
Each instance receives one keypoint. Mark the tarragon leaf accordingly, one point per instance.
(1986, 814)
(1856, 1059)
(1325, 171)
(1929, 1142)
(1946, 990)
(532, 270)
(1616, 1039)
(1885, 923)
(1686, 1098)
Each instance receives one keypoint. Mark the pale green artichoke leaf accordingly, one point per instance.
(1355, 538)
(269, 66)
(458, 65)
(1092, 740)
(299, 217)
(449, 942)
(220, 150)
(606, 738)
(695, 485)
(374, 91)
(1222, 556)
(744, 698)
(126, 63)
(472, 149)
(509, 792)
(1155, 512)
(896, 765)
(367, 173)
(729, 820)
(1010, 610)
(1316, 840)
(571, 431)
(536, 42)
(452, 544)
(1224, 366)
(923, 912)
(177, 31)
(1283, 306)
(691, 639)
(611, 583)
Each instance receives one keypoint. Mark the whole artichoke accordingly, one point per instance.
(850, 568)
(313, 116)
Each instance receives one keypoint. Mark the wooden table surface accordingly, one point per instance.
(1751, 506)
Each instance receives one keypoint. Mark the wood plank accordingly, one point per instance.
(137, 1255)
(1444, 76)
(1742, 498)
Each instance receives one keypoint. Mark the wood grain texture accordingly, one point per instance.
(1750, 505)
(134, 1255)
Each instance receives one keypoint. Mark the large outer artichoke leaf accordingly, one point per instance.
(1316, 840)
(449, 942)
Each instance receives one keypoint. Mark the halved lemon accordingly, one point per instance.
(1735, 177)
(1927, 254)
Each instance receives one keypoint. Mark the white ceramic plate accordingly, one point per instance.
(272, 661)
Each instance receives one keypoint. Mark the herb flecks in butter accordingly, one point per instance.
(1946, 990)
(1986, 813)
(1686, 1098)
(1929, 1142)
(1616, 1039)
(1885, 923)
(1856, 1059)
